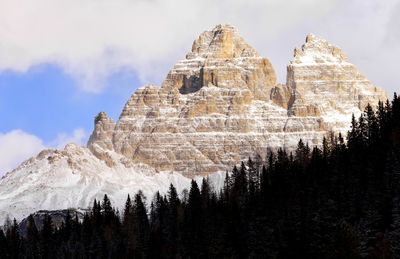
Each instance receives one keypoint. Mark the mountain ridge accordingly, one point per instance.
(224, 87)
(215, 108)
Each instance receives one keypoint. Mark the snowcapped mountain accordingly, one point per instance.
(216, 108)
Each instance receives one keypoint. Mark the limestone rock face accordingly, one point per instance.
(222, 58)
(325, 84)
(103, 131)
(222, 105)
(196, 133)
(102, 137)
(282, 95)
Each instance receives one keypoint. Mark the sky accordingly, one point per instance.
(63, 61)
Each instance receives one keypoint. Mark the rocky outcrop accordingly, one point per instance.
(101, 138)
(103, 131)
(58, 218)
(222, 104)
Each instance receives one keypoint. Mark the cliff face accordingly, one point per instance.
(222, 104)
(325, 84)
(216, 108)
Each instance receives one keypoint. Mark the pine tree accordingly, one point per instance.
(253, 178)
(205, 193)
(372, 125)
(173, 198)
(353, 134)
(362, 129)
(193, 219)
(46, 234)
(241, 182)
(67, 225)
(96, 213)
(128, 211)
(173, 238)
(235, 175)
(302, 153)
(393, 169)
(32, 238)
(194, 202)
(381, 247)
(346, 242)
(141, 225)
(76, 227)
(86, 230)
(14, 239)
(265, 181)
(325, 148)
(156, 238)
(227, 188)
(106, 209)
(4, 253)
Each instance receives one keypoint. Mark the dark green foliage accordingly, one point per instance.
(338, 201)
(32, 244)
(46, 238)
(346, 242)
(4, 253)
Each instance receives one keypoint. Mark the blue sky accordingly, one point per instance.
(63, 61)
(45, 102)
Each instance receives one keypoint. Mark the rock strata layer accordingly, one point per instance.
(325, 84)
(221, 105)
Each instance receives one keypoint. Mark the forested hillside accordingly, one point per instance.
(338, 201)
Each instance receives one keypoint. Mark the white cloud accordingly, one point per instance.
(78, 137)
(90, 40)
(393, 25)
(368, 32)
(16, 146)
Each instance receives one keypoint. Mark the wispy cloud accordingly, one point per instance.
(78, 136)
(90, 40)
(16, 146)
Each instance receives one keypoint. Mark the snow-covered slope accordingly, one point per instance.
(74, 177)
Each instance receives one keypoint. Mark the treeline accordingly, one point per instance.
(341, 200)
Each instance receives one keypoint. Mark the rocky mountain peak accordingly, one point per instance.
(324, 83)
(222, 58)
(221, 105)
(224, 41)
(318, 50)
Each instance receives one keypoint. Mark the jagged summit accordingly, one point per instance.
(211, 112)
(224, 41)
(219, 106)
(317, 50)
(222, 58)
(325, 84)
